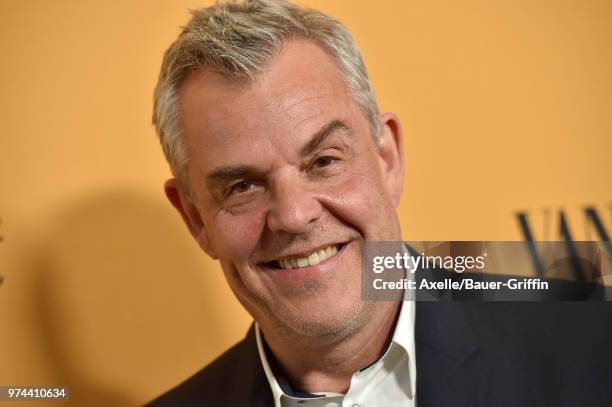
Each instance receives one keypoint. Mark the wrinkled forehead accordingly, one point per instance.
(294, 96)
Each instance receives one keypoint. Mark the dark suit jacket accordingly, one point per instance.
(467, 354)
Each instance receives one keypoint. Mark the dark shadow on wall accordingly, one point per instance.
(124, 299)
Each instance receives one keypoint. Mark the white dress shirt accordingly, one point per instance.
(389, 382)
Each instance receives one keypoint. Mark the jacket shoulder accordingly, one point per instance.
(235, 378)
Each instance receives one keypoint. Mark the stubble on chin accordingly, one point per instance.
(324, 326)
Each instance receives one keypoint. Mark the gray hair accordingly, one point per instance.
(237, 40)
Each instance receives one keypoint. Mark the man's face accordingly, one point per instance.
(287, 185)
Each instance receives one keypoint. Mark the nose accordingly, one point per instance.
(295, 206)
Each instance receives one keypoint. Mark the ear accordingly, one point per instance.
(391, 155)
(190, 214)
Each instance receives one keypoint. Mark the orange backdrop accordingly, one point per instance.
(505, 106)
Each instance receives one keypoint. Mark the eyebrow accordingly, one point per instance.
(320, 136)
(223, 175)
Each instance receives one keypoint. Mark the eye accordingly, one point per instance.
(241, 187)
(324, 161)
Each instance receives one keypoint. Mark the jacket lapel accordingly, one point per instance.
(252, 382)
(449, 370)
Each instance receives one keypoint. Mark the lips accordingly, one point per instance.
(292, 268)
(311, 259)
(305, 259)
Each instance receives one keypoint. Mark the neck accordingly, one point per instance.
(315, 364)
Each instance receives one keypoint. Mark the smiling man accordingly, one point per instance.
(287, 183)
(284, 167)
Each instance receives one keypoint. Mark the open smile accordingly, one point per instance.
(308, 259)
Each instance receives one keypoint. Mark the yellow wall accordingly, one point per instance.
(505, 105)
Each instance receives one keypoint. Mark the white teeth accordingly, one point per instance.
(311, 260)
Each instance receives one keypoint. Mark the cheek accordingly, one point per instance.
(236, 236)
(361, 201)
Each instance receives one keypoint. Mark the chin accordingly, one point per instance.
(318, 320)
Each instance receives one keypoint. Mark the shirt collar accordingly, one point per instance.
(403, 335)
(274, 386)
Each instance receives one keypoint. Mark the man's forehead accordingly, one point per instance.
(296, 91)
(299, 64)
